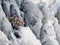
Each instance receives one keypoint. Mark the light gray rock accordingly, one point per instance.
(13, 10)
(3, 39)
(57, 29)
(22, 14)
(0, 1)
(54, 7)
(6, 8)
(37, 29)
(14, 40)
(19, 2)
(29, 7)
(1, 15)
(27, 37)
(33, 1)
(46, 9)
(30, 19)
(6, 27)
(33, 17)
(5, 24)
(48, 35)
(42, 22)
(58, 15)
(13, 2)
(48, 15)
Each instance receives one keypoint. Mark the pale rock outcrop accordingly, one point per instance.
(33, 1)
(14, 40)
(40, 16)
(27, 37)
(48, 34)
(13, 2)
(33, 16)
(19, 2)
(5, 24)
(3, 39)
(6, 8)
(58, 15)
(57, 29)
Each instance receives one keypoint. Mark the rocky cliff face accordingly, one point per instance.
(29, 22)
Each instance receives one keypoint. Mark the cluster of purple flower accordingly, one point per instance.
(16, 21)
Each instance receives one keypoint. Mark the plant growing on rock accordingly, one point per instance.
(16, 21)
